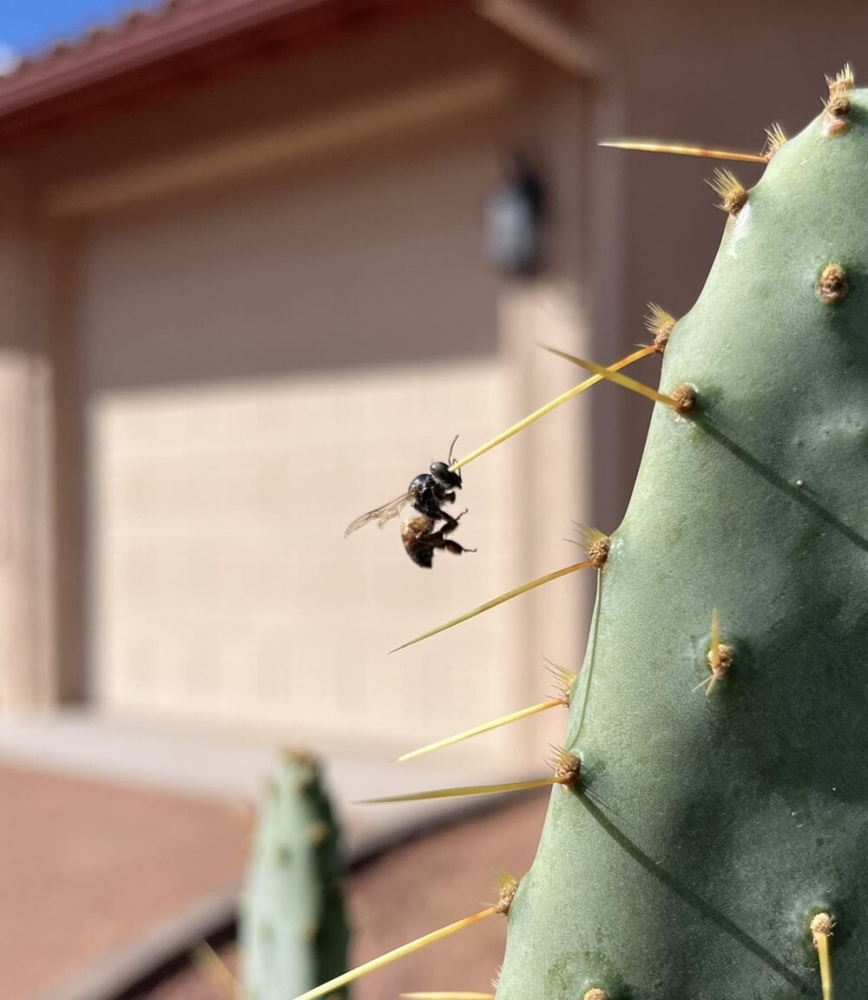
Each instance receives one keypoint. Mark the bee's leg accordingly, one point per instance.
(454, 547)
(444, 496)
(438, 539)
(451, 522)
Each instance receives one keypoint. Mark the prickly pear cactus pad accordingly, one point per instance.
(293, 930)
(717, 842)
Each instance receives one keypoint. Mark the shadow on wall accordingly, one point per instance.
(379, 262)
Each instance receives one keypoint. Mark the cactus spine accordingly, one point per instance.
(715, 847)
(293, 930)
(708, 835)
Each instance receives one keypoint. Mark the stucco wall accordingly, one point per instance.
(628, 228)
(261, 368)
(249, 365)
(27, 676)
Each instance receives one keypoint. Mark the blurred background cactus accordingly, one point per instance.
(293, 929)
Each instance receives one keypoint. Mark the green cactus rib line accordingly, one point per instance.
(800, 495)
(588, 671)
(690, 897)
(746, 812)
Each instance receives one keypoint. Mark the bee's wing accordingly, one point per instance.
(382, 515)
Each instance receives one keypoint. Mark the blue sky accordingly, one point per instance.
(29, 25)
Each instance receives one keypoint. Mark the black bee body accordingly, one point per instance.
(420, 539)
(426, 494)
(429, 490)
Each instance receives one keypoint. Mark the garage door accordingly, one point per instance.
(263, 365)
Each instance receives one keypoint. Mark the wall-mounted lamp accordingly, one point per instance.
(514, 215)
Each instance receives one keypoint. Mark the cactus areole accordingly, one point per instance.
(718, 840)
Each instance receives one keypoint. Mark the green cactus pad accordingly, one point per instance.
(292, 929)
(711, 825)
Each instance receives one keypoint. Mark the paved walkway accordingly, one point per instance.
(410, 890)
(86, 867)
(121, 846)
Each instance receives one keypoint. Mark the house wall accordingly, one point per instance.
(261, 368)
(628, 228)
(251, 360)
(27, 677)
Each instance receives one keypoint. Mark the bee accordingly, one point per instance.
(420, 539)
(426, 494)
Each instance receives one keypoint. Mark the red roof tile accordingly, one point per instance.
(150, 52)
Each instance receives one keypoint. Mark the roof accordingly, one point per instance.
(177, 45)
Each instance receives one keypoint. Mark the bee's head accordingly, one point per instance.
(448, 479)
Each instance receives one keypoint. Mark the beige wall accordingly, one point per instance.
(261, 367)
(629, 228)
(252, 360)
(27, 677)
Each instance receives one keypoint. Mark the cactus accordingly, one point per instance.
(707, 833)
(292, 928)
(712, 832)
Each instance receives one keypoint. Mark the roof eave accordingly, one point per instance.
(150, 57)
